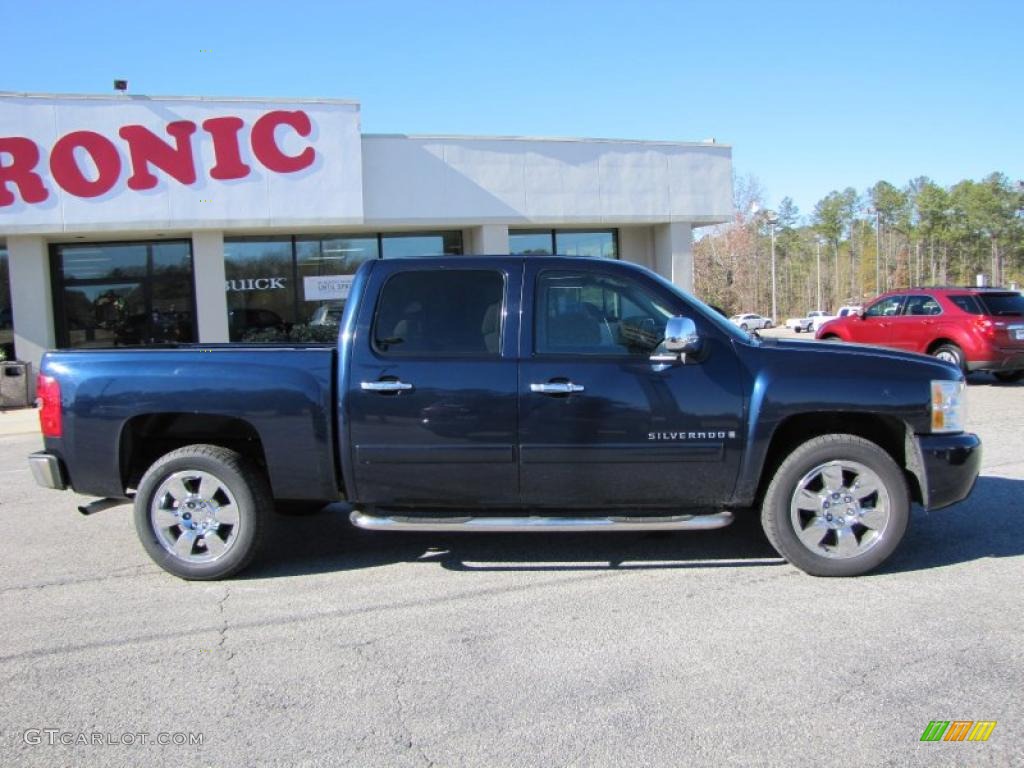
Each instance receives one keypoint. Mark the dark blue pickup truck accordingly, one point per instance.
(512, 394)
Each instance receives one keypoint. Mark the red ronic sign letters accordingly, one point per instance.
(20, 156)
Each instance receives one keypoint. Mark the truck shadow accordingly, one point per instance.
(983, 526)
(987, 524)
(326, 542)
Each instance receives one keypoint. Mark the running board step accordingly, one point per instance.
(522, 524)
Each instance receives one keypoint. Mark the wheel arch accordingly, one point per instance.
(146, 437)
(934, 345)
(889, 433)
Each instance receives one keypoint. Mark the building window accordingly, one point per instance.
(260, 285)
(532, 242)
(6, 315)
(598, 243)
(326, 267)
(415, 244)
(122, 294)
(296, 287)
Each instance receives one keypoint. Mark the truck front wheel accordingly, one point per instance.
(201, 510)
(837, 506)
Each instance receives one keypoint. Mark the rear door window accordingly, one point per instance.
(921, 305)
(438, 313)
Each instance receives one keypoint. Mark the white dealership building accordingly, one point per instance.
(131, 219)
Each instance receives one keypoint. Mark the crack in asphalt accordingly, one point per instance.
(339, 613)
(406, 737)
(118, 573)
(228, 654)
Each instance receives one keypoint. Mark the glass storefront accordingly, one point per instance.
(296, 287)
(599, 243)
(6, 316)
(403, 245)
(260, 275)
(121, 294)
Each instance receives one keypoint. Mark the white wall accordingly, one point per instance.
(487, 240)
(636, 244)
(673, 253)
(31, 303)
(438, 180)
(211, 299)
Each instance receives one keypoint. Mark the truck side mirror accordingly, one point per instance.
(681, 336)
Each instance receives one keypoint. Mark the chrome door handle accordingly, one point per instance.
(385, 386)
(557, 388)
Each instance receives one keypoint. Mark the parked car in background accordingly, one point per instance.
(244, 320)
(751, 322)
(819, 320)
(847, 309)
(976, 329)
(328, 314)
(806, 322)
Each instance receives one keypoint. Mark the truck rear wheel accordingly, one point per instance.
(201, 510)
(837, 506)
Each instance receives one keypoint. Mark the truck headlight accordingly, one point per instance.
(949, 408)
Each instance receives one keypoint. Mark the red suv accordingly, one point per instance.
(977, 329)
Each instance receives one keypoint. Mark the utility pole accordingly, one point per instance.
(772, 221)
(817, 241)
(878, 251)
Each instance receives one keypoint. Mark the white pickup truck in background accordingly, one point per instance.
(806, 323)
(817, 318)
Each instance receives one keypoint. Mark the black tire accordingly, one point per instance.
(952, 354)
(799, 328)
(872, 548)
(830, 337)
(744, 326)
(1008, 377)
(242, 495)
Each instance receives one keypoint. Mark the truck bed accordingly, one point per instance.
(280, 396)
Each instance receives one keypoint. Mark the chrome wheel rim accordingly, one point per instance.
(948, 356)
(195, 516)
(840, 509)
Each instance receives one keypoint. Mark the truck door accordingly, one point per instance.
(601, 425)
(431, 399)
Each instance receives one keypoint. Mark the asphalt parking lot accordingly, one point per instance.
(357, 649)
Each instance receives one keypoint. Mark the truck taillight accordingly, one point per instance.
(48, 394)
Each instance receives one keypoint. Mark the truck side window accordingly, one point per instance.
(440, 312)
(581, 313)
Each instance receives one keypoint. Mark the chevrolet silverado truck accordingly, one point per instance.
(511, 394)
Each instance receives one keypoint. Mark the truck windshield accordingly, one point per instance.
(1002, 303)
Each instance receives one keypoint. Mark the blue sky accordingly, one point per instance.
(812, 95)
